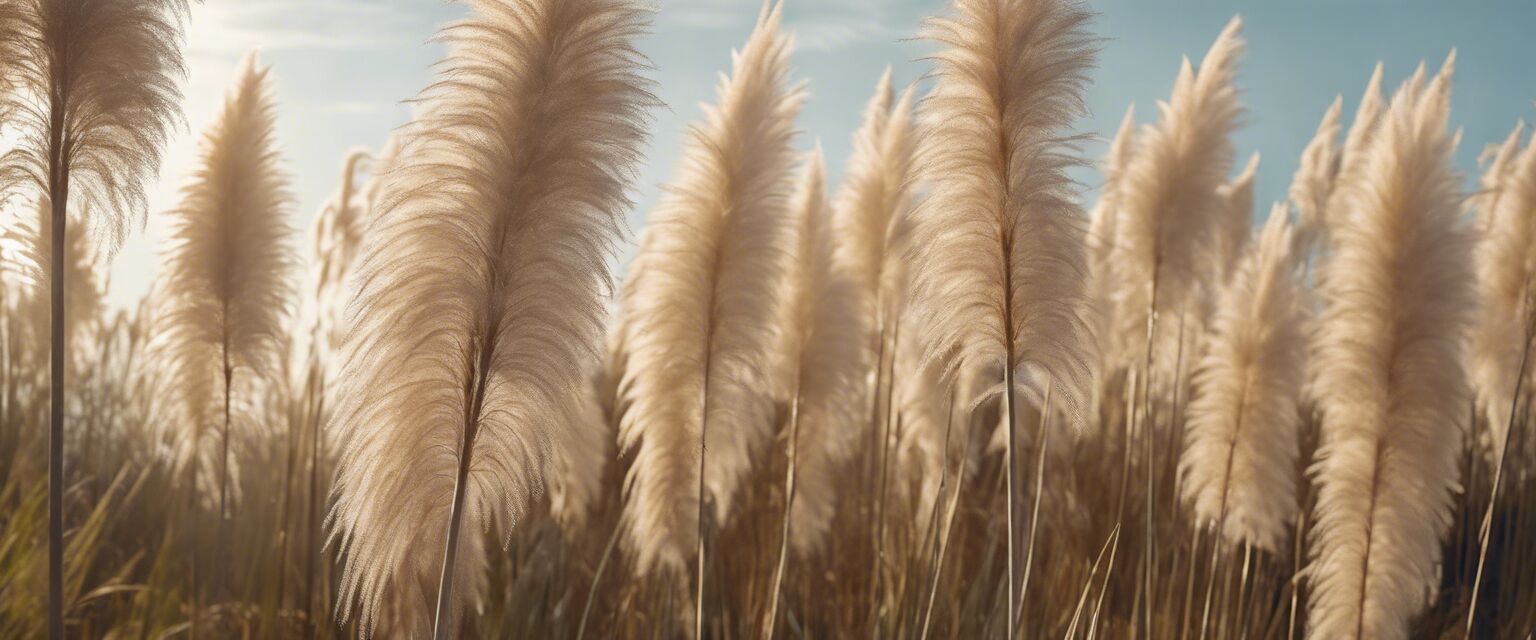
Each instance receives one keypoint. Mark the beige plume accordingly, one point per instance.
(1391, 384)
(1171, 209)
(1239, 460)
(1506, 268)
(478, 298)
(700, 308)
(225, 284)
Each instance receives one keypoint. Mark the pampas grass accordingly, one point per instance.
(1239, 460)
(998, 262)
(1351, 160)
(827, 406)
(117, 60)
(1237, 222)
(1391, 384)
(1506, 266)
(1103, 223)
(90, 86)
(1105, 214)
(699, 384)
(810, 415)
(1171, 208)
(859, 299)
(224, 286)
(1313, 182)
(224, 290)
(478, 296)
(999, 265)
(874, 197)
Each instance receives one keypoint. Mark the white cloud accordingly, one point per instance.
(229, 28)
(819, 26)
(354, 107)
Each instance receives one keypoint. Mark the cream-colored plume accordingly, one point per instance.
(1239, 460)
(1390, 382)
(1171, 212)
(999, 262)
(477, 310)
(700, 311)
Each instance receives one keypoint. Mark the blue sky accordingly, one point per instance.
(343, 67)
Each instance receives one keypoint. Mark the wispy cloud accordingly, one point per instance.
(822, 26)
(230, 28)
(358, 108)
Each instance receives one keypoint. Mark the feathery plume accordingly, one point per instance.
(1368, 115)
(477, 303)
(1239, 459)
(224, 286)
(117, 61)
(999, 263)
(809, 280)
(1498, 162)
(830, 365)
(334, 240)
(224, 289)
(1506, 269)
(1391, 383)
(1171, 210)
(857, 296)
(700, 308)
(580, 458)
(1313, 182)
(1351, 160)
(1237, 223)
(83, 293)
(1105, 213)
(874, 194)
(1103, 221)
(923, 403)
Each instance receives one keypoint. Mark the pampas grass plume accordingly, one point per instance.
(1391, 384)
(478, 299)
(1239, 458)
(700, 328)
(225, 283)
